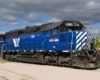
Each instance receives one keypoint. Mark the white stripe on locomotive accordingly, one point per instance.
(80, 40)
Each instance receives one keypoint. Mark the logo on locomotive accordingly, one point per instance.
(16, 42)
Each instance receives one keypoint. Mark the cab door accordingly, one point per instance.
(53, 39)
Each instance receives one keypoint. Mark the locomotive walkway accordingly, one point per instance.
(27, 71)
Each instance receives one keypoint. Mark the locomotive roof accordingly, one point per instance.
(63, 23)
(2, 36)
(54, 25)
(42, 28)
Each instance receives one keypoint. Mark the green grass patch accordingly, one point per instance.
(97, 40)
(4, 77)
(3, 61)
(24, 79)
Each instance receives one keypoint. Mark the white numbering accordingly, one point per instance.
(53, 40)
(54, 47)
(32, 36)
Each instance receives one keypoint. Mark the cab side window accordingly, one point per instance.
(62, 29)
(66, 29)
(54, 32)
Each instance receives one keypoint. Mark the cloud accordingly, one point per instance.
(92, 5)
(54, 20)
(91, 27)
(38, 24)
(93, 30)
(86, 11)
(32, 17)
(4, 23)
(26, 22)
(14, 23)
(9, 18)
(2, 32)
(95, 33)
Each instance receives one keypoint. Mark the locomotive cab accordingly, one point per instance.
(76, 41)
(70, 26)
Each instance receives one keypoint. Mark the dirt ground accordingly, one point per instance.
(27, 71)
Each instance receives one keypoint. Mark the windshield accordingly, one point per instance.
(69, 29)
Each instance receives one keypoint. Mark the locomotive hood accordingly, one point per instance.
(83, 40)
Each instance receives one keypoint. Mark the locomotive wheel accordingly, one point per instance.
(7, 57)
(57, 63)
(47, 63)
(51, 64)
(69, 63)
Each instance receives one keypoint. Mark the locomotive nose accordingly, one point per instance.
(83, 40)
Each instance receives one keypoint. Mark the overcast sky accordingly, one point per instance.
(15, 14)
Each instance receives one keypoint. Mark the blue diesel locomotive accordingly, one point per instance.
(64, 43)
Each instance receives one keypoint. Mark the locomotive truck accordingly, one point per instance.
(64, 43)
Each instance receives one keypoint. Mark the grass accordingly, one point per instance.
(98, 42)
(3, 61)
(24, 79)
(4, 77)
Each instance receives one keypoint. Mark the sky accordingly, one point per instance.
(17, 14)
